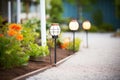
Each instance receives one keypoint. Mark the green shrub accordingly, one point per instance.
(50, 43)
(33, 23)
(64, 28)
(11, 51)
(93, 29)
(106, 27)
(13, 59)
(15, 51)
(77, 45)
(30, 36)
(38, 51)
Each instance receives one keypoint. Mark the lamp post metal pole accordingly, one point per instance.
(86, 38)
(73, 41)
(55, 55)
(55, 31)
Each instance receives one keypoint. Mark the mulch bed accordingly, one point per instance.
(8, 74)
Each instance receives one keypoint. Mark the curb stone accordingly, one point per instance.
(22, 77)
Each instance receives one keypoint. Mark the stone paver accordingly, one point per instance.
(101, 61)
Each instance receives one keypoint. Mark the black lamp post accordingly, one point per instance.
(73, 26)
(86, 26)
(55, 31)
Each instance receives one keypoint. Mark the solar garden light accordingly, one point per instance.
(55, 31)
(86, 26)
(73, 26)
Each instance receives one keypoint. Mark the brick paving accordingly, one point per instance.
(101, 61)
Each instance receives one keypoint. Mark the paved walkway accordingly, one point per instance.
(101, 61)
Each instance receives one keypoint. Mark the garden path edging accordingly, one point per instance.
(23, 77)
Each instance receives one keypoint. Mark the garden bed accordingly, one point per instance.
(8, 74)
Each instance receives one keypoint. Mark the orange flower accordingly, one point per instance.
(19, 37)
(65, 43)
(11, 32)
(1, 35)
(16, 27)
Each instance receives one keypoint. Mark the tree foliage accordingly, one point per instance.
(82, 2)
(97, 17)
(117, 8)
(56, 10)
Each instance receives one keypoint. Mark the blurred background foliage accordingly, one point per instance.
(56, 10)
(98, 23)
(117, 8)
(86, 10)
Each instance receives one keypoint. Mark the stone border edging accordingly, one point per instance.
(22, 77)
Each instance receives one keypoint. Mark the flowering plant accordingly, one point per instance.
(15, 31)
(11, 52)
